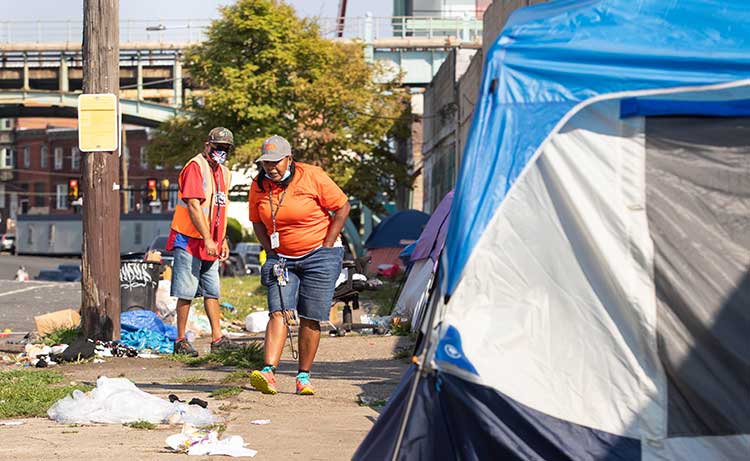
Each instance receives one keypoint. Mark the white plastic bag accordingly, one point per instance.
(166, 305)
(118, 400)
(256, 322)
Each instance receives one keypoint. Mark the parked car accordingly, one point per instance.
(51, 275)
(71, 272)
(159, 243)
(8, 243)
(250, 254)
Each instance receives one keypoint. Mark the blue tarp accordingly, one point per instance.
(398, 230)
(146, 320)
(553, 56)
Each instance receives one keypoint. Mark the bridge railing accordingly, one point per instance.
(189, 31)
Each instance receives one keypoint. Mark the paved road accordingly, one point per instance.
(21, 301)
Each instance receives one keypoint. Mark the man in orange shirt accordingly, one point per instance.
(198, 236)
(297, 213)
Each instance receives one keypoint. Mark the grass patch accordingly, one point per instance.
(238, 376)
(248, 356)
(190, 379)
(144, 425)
(245, 293)
(402, 354)
(365, 401)
(27, 393)
(62, 336)
(226, 392)
(219, 428)
(381, 301)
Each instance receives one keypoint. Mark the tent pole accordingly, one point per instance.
(420, 365)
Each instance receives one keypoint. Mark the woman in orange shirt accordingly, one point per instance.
(297, 213)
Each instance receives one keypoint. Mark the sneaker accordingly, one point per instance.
(303, 384)
(224, 344)
(264, 380)
(183, 347)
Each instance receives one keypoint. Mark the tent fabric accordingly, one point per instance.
(699, 217)
(456, 419)
(552, 57)
(432, 239)
(413, 296)
(397, 230)
(642, 107)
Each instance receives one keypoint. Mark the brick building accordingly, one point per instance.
(39, 158)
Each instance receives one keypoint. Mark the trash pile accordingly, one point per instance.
(205, 442)
(119, 401)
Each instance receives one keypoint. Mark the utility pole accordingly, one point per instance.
(100, 306)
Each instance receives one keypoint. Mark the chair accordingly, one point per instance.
(348, 293)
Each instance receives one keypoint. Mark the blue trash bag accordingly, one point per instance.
(147, 339)
(146, 320)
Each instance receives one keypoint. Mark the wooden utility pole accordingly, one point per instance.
(100, 308)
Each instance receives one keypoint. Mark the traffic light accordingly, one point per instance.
(151, 193)
(164, 190)
(72, 189)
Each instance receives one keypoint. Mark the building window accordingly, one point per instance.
(7, 123)
(62, 196)
(27, 157)
(39, 192)
(5, 159)
(127, 155)
(131, 200)
(144, 160)
(44, 156)
(58, 158)
(75, 158)
(2, 195)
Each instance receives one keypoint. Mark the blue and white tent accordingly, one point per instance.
(595, 295)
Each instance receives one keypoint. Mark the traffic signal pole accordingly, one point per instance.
(100, 304)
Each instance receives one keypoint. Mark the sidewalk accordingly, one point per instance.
(328, 426)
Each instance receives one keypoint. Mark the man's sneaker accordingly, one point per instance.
(224, 344)
(183, 347)
(264, 380)
(303, 384)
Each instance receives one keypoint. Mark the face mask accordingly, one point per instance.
(284, 178)
(219, 156)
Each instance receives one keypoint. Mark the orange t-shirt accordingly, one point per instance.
(302, 221)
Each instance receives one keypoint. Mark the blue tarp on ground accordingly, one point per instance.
(146, 320)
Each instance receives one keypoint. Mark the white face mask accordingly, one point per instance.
(285, 177)
(219, 156)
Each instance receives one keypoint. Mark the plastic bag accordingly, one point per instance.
(118, 400)
(256, 322)
(146, 339)
(146, 320)
(166, 305)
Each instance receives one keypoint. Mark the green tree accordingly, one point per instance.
(270, 72)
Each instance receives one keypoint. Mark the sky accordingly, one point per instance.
(177, 9)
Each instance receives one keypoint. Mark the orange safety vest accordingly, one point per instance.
(181, 221)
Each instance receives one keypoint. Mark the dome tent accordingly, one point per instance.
(595, 280)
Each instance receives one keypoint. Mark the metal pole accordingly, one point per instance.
(177, 82)
(100, 307)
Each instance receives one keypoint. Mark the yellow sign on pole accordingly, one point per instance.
(98, 123)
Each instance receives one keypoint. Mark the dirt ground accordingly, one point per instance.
(327, 426)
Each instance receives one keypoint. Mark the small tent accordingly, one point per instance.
(423, 263)
(594, 296)
(392, 234)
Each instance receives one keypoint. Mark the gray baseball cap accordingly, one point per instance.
(274, 149)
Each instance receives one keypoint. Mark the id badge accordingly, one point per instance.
(274, 240)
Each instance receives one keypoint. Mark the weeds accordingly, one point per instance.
(238, 376)
(249, 356)
(226, 392)
(144, 425)
(190, 379)
(401, 354)
(31, 393)
(62, 336)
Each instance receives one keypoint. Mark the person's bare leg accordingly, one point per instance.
(309, 339)
(275, 338)
(183, 310)
(214, 316)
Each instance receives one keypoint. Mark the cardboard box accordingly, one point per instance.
(47, 323)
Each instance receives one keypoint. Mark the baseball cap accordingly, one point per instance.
(274, 149)
(220, 135)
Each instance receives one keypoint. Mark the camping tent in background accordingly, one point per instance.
(424, 258)
(594, 287)
(392, 235)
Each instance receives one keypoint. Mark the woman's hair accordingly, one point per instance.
(261, 178)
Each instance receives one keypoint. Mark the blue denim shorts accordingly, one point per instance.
(194, 278)
(312, 280)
